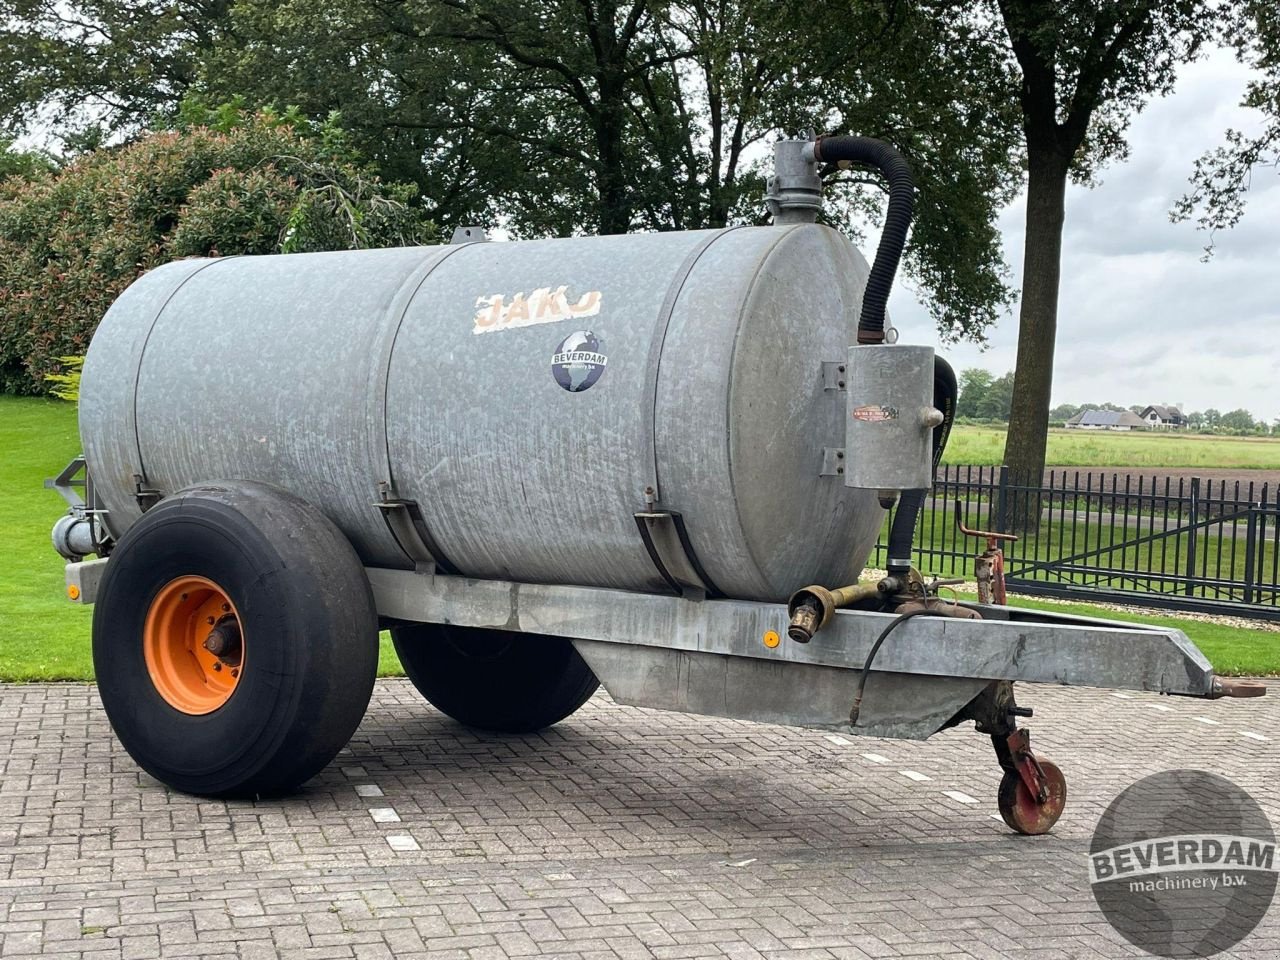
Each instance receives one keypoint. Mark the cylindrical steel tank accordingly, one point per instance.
(530, 397)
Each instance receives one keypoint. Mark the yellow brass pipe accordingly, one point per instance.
(812, 608)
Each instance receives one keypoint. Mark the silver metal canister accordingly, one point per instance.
(889, 428)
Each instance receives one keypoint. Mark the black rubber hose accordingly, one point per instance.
(861, 686)
(897, 220)
(902, 532)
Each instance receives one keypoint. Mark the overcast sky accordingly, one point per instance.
(1141, 319)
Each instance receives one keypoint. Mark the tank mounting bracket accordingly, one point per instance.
(405, 522)
(832, 462)
(667, 540)
(833, 377)
(146, 496)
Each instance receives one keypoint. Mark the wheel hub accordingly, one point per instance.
(193, 645)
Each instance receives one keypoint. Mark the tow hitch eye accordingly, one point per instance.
(1231, 687)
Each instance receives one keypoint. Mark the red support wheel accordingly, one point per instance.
(1019, 807)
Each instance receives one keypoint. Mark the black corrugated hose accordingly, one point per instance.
(897, 220)
(945, 393)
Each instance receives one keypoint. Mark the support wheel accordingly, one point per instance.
(235, 641)
(495, 679)
(1019, 808)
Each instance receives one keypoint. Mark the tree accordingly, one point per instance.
(1240, 420)
(22, 163)
(983, 396)
(1002, 397)
(96, 67)
(1222, 177)
(73, 239)
(1083, 68)
(975, 386)
(1064, 411)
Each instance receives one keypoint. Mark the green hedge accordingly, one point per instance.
(72, 239)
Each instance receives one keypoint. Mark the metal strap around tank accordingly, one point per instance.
(651, 491)
(411, 524)
(136, 372)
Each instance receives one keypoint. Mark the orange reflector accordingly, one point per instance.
(73, 591)
(771, 639)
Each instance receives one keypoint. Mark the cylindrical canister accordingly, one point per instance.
(528, 398)
(889, 429)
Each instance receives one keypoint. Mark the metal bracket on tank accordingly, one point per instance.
(147, 497)
(832, 462)
(404, 520)
(67, 485)
(833, 374)
(667, 540)
(469, 235)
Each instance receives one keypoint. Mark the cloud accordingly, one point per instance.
(1141, 319)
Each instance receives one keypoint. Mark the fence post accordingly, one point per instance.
(1251, 542)
(1191, 535)
(1002, 500)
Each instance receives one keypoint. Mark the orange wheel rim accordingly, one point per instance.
(193, 645)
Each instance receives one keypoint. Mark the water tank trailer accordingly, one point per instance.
(651, 461)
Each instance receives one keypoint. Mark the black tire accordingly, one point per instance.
(495, 679)
(310, 640)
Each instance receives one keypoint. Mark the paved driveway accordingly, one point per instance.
(622, 833)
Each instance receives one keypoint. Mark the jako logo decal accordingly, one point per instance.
(544, 305)
(579, 361)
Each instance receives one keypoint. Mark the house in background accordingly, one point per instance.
(1159, 417)
(1106, 420)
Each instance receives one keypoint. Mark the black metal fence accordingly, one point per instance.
(1172, 541)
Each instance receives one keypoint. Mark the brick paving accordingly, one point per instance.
(620, 834)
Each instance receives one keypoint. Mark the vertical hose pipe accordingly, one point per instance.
(897, 221)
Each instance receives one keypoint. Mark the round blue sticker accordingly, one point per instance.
(579, 361)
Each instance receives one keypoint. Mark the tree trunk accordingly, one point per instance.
(615, 199)
(1024, 450)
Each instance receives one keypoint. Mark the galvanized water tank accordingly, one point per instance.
(530, 397)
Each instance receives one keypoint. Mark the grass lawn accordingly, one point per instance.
(45, 637)
(984, 446)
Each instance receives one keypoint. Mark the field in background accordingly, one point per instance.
(984, 446)
(45, 637)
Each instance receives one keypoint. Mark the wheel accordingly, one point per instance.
(1019, 808)
(235, 641)
(495, 679)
